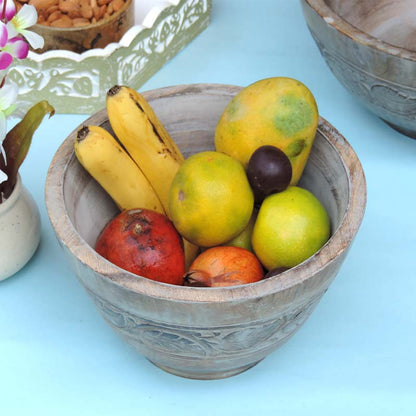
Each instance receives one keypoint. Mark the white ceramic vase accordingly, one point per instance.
(19, 230)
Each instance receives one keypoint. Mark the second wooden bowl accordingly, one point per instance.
(369, 45)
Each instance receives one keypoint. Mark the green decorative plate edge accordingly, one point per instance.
(77, 84)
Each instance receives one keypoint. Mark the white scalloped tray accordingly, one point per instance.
(77, 83)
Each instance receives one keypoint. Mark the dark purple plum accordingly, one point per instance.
(269, 171)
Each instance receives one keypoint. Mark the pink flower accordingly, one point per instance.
(12, 43)
(14, 39)
(5, 60)
(10, 9)
(17, 47)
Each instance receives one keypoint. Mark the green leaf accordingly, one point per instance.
(18, 141)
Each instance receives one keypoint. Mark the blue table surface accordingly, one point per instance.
(356, 353)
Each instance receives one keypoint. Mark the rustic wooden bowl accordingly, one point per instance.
(81, 39)
(203, 333)
(370, 46)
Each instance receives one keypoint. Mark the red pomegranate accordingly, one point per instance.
(146, 243)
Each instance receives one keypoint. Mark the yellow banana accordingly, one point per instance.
(149, 144)
(145, 138)
(110, 165)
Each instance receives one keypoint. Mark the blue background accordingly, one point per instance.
(356, 353)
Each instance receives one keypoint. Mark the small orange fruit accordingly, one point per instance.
(210, 199)
(224, 266)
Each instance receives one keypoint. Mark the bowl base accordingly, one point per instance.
(205, 375)
(407, 132)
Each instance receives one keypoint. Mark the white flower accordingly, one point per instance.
(26, 17)
(8, 97)
(3, 177)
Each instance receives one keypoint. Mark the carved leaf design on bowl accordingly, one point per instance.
(205, 342)
(400, 101)
(385, 96)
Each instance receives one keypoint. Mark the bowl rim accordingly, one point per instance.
(351, 31)
(339, 241)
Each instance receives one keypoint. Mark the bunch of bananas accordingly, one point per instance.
(136, 168)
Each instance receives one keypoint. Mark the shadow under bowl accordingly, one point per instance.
(203, 333)
(370, 46)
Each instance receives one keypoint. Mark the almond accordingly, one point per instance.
(68, 13)
(86, 9)
(43, 5)
(64, 21)
(118, 4)
(80, 22)
(54, 16)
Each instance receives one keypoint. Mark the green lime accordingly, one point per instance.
(291, 226)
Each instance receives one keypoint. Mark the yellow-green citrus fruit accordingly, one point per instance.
(276, 111)
(243, 239)
(291, 226)
(210, 199)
